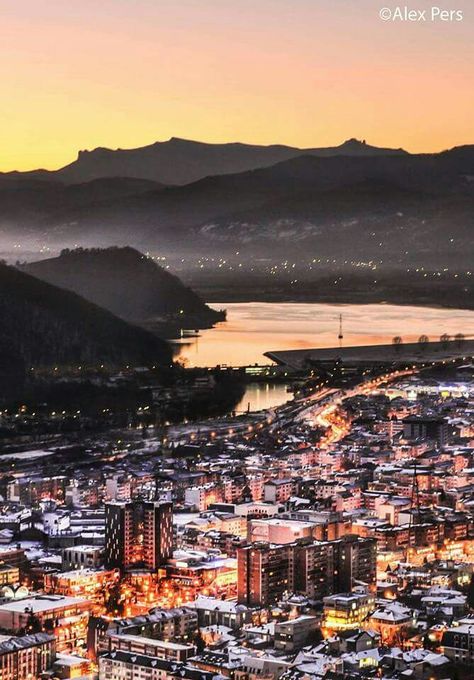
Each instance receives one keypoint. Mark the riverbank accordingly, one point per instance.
(423, 289)
(185, 326)
(254, 328)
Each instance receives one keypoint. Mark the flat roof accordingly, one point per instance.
(283, 522)
(42, 603)
(88, 571)
(84, 548)
(224, 606)
(151, 641)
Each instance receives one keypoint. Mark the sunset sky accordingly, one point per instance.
(78, 74)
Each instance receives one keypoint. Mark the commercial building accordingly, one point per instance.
(88, 583)
(26, 657)
(279, 530)
(65, 617)
(9, 575)
(347, 610)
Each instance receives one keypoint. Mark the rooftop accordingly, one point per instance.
(42, 603)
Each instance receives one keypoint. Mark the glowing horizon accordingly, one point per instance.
(220, 142)
(304, 73)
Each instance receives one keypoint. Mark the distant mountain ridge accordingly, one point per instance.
(181, 161)
(395, 207)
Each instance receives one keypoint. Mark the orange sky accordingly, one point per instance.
(78, 74)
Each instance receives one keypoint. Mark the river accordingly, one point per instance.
(253, 328)
(262, 396)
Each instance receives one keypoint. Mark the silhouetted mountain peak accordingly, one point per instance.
(87, 152)
(181, 161)
(183, 142)
(353, 143)
(354, 146)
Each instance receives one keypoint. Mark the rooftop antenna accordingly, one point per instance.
(415, 493)
(414, 508)
(340, 336)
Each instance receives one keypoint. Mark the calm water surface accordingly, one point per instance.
(253, 328)
(262, 396)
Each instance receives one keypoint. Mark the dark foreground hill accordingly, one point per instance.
(126, 282)
(42, 326)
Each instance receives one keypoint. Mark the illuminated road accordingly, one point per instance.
(319, 408)
(326, 414)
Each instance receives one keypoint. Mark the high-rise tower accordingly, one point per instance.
(138, 535)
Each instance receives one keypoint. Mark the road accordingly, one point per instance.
(318, 408)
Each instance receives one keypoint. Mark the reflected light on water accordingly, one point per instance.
(262, 396)
(253, 328)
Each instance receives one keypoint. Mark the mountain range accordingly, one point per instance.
(354, 201)
(182, 161)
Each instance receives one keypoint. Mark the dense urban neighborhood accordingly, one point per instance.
(236, 340)
(331, 537)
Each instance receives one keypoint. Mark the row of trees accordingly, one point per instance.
(423, 341)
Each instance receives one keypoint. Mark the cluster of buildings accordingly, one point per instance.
(330, 546)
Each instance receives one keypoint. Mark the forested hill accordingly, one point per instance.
(126, 282)
(42, 325)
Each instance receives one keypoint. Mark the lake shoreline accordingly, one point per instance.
(423, 289)
(254, 328)
(238, 298)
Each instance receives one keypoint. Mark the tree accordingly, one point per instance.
(198, 641)
(423, 342)
(397, 343)
(314, 637)
(470, 593)
(33, 624)
(459, 338)
(113, 600)
(444, 340)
